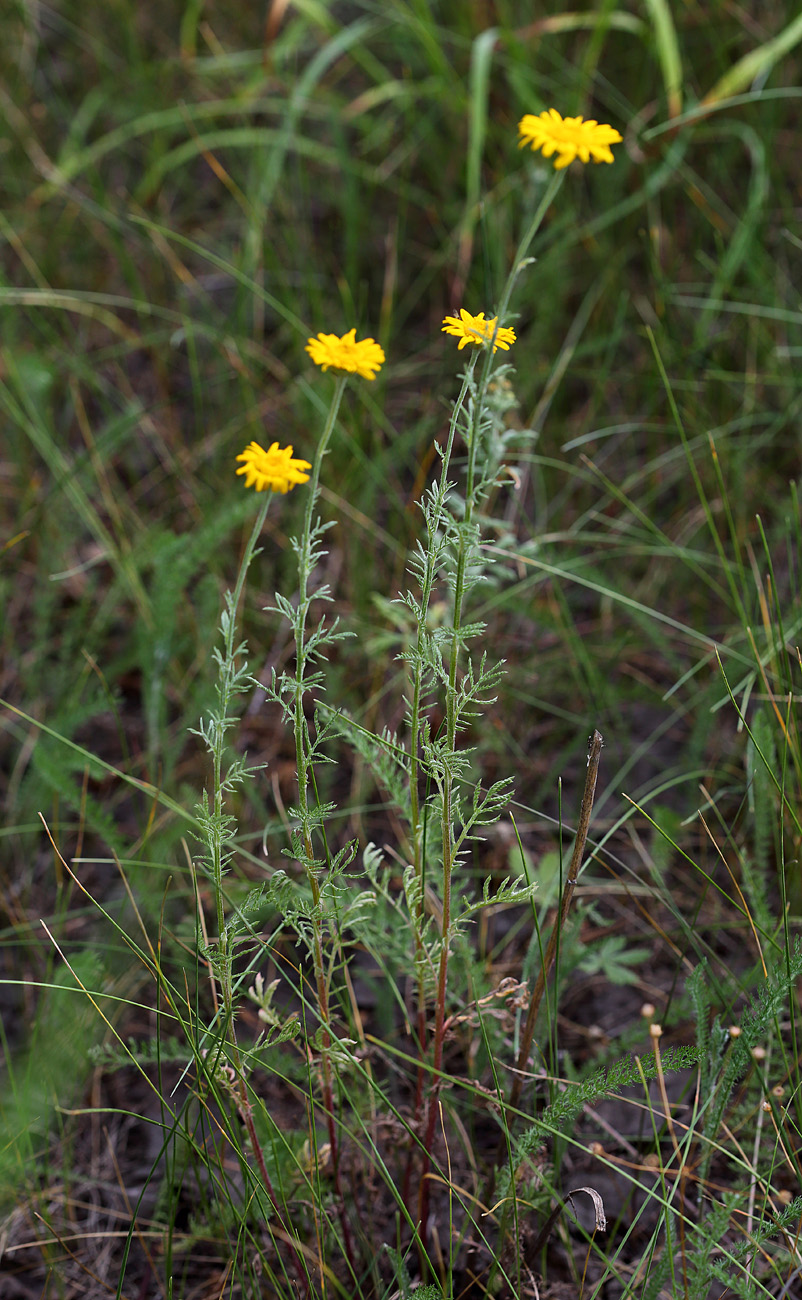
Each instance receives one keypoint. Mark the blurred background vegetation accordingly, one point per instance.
(187, 191)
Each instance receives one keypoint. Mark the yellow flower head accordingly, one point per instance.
(273, 470)
(568, 137)
(477, 330)
(364, 358)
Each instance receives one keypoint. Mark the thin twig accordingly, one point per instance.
(594, 754)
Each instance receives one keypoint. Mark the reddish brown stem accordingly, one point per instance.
(440, 1019)
(246, 1111)
(594, 754)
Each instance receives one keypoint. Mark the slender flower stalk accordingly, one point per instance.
(232, 677)
(448, 840)
(488, 335)
(520, 262)
(305, 562)
(435, 528)
(226, 689)
(347, 356)
(306, 813)
(571, 138)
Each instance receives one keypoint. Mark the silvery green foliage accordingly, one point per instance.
(390, 927)
(278, 1029)
(217, 955)
(729, 1058)
(709, 1236)
(283, 689)
(216, 827)
(275, 1037)
(743, 1285)
(384, 754)
(451, 553)
(342, 901)
(610, 1079)
(742, 1250)
(238, 921)
(340, 1050)
(733, 1257)
(509, 891)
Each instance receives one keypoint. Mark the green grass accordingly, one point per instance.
(187, 195)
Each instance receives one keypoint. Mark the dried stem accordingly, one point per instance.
(594, 754)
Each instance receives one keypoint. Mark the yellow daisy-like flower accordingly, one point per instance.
(273, 470)
(477, 330)
(364, 358)
(568, 137)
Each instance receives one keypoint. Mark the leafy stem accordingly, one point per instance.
(216, 829)
(305, 648)
(229, 680)
(449, 769)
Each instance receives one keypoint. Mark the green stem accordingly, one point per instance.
(447, 815)
(216, 842)
(218, 742)
(434, 526)
(302, 745)
(447, 827)
(303, 760)
(519, 261)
